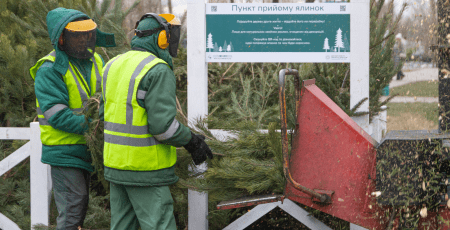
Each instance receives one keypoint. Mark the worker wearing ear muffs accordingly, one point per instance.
(141, 132)
(64, 80)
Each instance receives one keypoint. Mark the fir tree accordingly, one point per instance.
(243, 98)
(334, 79)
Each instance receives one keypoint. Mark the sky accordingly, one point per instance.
(179, 6)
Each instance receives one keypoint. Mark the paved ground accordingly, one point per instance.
(425, 74)
(412, 99)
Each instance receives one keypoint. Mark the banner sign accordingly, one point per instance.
(306, 32)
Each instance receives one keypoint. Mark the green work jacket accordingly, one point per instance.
(79, 90)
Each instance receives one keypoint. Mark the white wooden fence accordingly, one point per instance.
(40, 179)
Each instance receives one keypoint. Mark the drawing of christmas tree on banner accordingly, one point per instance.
(215, 48)
(326, 45)
(230, 47)
(209, 42)
(346, 44)
(339, 43)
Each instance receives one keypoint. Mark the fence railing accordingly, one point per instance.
(378, 127)
(40, 179)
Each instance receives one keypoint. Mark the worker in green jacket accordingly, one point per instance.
(64, 80)
(141, 132)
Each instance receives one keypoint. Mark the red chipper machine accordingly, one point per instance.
(333, 165)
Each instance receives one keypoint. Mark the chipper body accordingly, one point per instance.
(332, 166)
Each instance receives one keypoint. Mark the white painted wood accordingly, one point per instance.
(197, 88)
(379, 125)
(248, 218)
(197, 210)
(359, 60)
(40, 180)
(383, 121)
(15, 158)
(356, 227)
(14, 133)
(224, 135)
(197, 99)
(7, 224)
(288, 206)
(302, 215)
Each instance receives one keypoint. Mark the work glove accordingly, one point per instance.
(198, 148)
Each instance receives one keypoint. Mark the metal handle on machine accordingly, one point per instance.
(285, 143)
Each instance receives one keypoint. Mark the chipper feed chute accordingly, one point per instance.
(333, 156)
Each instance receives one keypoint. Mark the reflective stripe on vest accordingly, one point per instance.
(128, 143)
(78, 94)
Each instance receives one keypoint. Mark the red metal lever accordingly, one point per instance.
(285, 143)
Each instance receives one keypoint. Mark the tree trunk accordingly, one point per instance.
(443, 64)
(169, 5)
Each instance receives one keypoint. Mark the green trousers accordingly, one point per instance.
(71, 191)
(150, 208)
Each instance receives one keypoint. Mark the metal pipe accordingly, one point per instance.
(284, 138)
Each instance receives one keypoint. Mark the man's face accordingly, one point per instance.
(80, 40)
(79, 44)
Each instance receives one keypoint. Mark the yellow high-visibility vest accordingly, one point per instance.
(128, 143)
(79, 93)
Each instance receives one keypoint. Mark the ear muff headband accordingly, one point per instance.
(162, 37)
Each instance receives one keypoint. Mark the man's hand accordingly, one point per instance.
(198, 149)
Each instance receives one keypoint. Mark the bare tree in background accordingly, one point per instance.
(169, 5)
(421, 25)
(145, 6)
(257, 1)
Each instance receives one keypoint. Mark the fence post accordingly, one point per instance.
(383, 121)
(197, 99)
(376, 128)
(379, 124)
(40, 180)
(359, 60)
